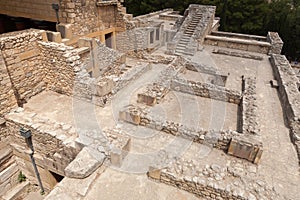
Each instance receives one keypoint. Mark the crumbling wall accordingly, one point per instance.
(206, 90)
(22, 59)
(240, 44)
(51, 141)
(132, 40)
(249, 107)
(60, 64)
(218, 139)
(214, 181)
(289, 95)
(276, 43)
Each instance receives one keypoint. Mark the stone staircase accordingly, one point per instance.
(184, 41)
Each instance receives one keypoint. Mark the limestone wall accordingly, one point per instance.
(22, 58)
(276, 42)
(240, 44)
(60, 64)
(7, 97)
(213, 181)
(82, 14)
(206, 90)
(249, 107)
(134, 39)
(54, 149)
(138, 116)
(289, 95)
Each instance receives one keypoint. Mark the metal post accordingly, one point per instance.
(56, 8)
(28, 139)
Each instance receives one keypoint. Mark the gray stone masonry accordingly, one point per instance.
(276, 43)
(289, 95)
(214, 181)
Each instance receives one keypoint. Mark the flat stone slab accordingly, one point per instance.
(246, 147)
(85, 163)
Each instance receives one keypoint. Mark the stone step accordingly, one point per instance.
(183, 43)
(5, 153)
(185, 37)
(16, 191)
(190, 29)
(82, 50)
(189, 34)
(181, 46)
(186, 40)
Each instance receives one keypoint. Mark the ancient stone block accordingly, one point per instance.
(65, 30)
(130, 117)
(85, 163)
(145, 99)
(154, 173)
(8, 172)
(54, 36)
(246, 147)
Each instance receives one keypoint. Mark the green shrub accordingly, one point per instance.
(21, 177)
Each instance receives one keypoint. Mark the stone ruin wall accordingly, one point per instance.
(276, 43)
(83, 17)
(206, 90)
(218, 139)
(61, 63)
(214, 181)
(289, 95)
(51, 140)
(248, 107)
(22, 60)
(92, 15)
(7, 97)
(29, 66)
(132, 40)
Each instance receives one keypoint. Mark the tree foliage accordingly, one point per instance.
(242, 16)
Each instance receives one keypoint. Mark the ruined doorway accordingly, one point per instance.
(108, 40)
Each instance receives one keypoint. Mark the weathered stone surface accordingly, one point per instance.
(154, 173)
(247, 148)
(85, 163)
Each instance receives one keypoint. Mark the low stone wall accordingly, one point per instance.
(240, 44)
(138, 116)
(289, 95)
(237, 54)
(276, 43)
(156, 91)
(206, 90)
(239, 36)
(249, 107)
(214, 181)
(53, 148)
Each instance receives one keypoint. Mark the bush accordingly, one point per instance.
(21, 177)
